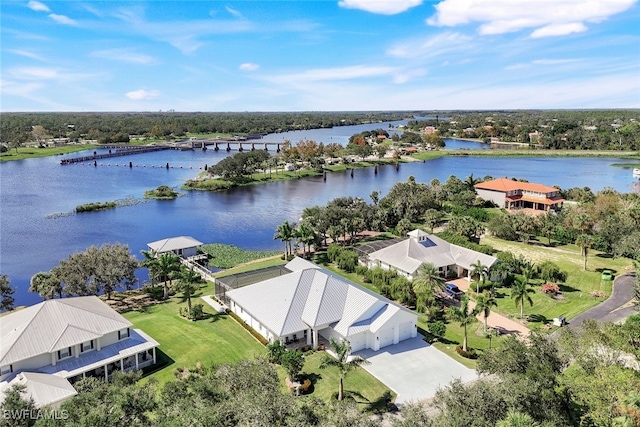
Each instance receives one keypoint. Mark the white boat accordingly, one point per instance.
(636, 173)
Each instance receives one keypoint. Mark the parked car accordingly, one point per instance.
(453, 290)
(607, 275)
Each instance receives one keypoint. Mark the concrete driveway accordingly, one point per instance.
(414, 369)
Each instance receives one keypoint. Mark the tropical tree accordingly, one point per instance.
(480, 273)
(520, 293)
(46, 285)
(426, 284)
(6, 293)
(517, 419)
(150, 261)
(188, 283)
(343, 361)
(484, 302)
(285, 233)
(168, 264)
(293, 362)
(584, 242)
(470, 182)
(432, 217)
(463, 316)
(306, 235)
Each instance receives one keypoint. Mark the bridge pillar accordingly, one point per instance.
(278, 148)
(240, 146)
(216, 148)
(228, 147)
(253, 147)
(265, 147)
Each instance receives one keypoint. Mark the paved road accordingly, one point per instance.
(610, 310)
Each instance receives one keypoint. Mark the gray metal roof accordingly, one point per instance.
(313, 297)
(45, 389)
(55, 324)
(408, 255)
(173, 244)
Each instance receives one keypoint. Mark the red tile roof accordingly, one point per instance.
(505, 185)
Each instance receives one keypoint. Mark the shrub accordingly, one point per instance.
(348, 261)
(437, 328)
(333, 251)
(97, 206)
(470, 354)
(252, 331)
(196, 312)
(275, 351)
(551, 272)
(550, 289)
(362, 270)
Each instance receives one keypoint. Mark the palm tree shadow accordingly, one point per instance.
(382, 404)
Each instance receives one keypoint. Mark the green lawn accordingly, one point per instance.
(576, 289)
(216, 340)
(31, 152)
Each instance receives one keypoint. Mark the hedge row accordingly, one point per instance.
(252, 331)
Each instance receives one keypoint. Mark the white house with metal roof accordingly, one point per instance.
(184, 246)
(69, 338)
(311, 302)
(407, 256)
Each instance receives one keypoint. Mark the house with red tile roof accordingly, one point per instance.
(510, 194)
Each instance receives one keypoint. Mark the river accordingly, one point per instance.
(37, 228)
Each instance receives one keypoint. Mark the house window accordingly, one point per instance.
(123, 334)
(86, 346)
(63, 354)
(6, 370)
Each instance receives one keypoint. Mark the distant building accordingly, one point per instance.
(182, 246)
(509, 194)
(49, 346)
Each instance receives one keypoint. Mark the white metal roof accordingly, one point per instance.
(45, 389)
(408, 255)
(173, 244)
(55, 324)
(313, 297)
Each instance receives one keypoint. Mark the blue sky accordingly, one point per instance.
(319, 55)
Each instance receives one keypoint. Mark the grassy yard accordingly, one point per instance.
(31, 152)
(227, 256)
(215, 340)
(371, 392)
(576, 289)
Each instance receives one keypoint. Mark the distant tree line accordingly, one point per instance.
(556, 129)
(116, 127)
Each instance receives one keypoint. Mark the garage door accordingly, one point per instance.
(386, 337)
(358, 341)
(405, 330)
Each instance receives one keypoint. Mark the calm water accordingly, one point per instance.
(34, 238)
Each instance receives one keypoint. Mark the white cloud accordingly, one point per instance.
(234, 12)
(545, 17)
(34, 73)
(382, 7)
(38, 6)
(62, 19)
(124, 55)
(141, 94)
(430, 47)
(248, 66)
(26, 54)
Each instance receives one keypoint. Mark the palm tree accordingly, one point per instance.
(517, 419)
(484, 302)
(167, 264)
(151, 263)
(463, 316)
(306, 235)
(480, 272)
(585, 242)
(432, 217)
(470, 182)
(520, 293)
(284, 232)
(342, 361)
(188, 281)
(426, 284)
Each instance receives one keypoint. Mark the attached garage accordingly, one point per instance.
(406, 330)
(358, 341)
(386, 337)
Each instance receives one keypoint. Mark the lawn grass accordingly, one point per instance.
(370, 390)
(575, 290)
(33, 152)
(216, 340)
